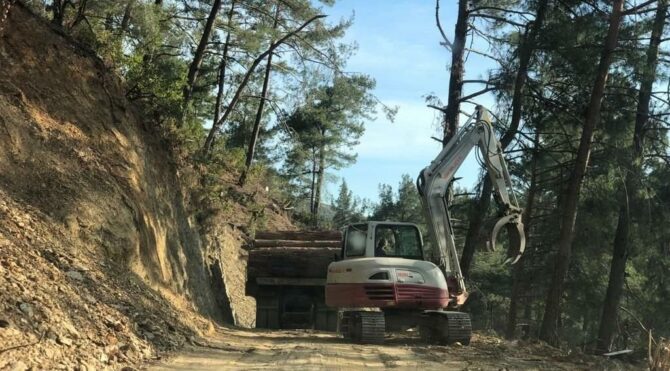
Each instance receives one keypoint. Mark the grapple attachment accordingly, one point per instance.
(515, 232)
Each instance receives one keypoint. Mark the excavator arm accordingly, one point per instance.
(433, 184)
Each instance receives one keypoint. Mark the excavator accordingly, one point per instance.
(387, 280)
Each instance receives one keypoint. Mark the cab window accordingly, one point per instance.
(399, 241)
(356, 238)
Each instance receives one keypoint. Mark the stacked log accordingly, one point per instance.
(289, 243)
(299, 235)
(291, 255)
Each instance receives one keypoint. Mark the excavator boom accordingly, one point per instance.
(433, 186)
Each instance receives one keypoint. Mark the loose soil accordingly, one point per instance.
(236, 349)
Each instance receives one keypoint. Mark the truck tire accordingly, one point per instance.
(267, 312)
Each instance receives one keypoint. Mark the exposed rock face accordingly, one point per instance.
(100, 261)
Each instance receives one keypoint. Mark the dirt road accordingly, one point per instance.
(291, 350)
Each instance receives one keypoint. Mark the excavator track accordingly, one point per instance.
(363, 326)
(444, 328)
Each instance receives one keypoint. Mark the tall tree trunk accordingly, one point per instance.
(199, 55)
(456, 74)
(480, 209)
(552, 311)
(321, 173)
(125, 21)
(221, 78)
(631, 178)
(259, 112)
(209, 141)
(58, 11)
(312, 184)
(473, 236)
(457, 70)
(518, 281)
(81, 11)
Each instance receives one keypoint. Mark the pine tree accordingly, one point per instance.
(347, 208)
(325, 129)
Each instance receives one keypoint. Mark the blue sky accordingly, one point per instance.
(398, 45)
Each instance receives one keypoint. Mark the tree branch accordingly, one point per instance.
(487, 82)
(441, 109)
(638, 7)
(501, 10)
(499, 19)
(215, 127)
(447, 44)
(470, 50)
(476, 94)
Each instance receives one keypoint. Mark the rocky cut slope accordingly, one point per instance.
(100, 263)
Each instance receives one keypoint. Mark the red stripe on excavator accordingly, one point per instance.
(385, 295)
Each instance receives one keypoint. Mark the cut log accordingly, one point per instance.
(293, 243)
(300, 235)
(286, 262)
(290, 262)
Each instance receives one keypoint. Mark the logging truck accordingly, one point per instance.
(286, 274)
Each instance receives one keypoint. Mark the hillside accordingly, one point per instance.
(101, 260)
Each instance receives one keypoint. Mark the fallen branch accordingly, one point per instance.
(23, 345)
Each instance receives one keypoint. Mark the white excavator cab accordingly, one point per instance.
(382, 239)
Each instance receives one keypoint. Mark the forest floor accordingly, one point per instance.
(305, 349)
